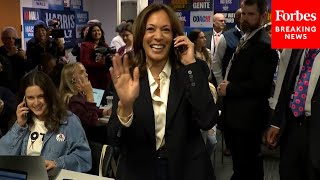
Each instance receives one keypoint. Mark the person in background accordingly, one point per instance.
(246, 90)
(12, 50)
(41, 43)
(218, 27)
(45, 128)
(76, 50)
(97, 66)
(117, 41)
(6, 74)
(228, 42)
(130, 21)
(8, 105)
(201, 52)
(295, 123)
(157, 112)
(127, 36)
(77, 94)
(48, 64)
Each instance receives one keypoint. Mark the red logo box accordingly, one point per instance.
(295, 24)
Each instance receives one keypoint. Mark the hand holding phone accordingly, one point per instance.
(184, 49)
(22, 113)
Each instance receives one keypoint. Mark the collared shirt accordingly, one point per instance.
(217, 57)
(314, 77)
(159, 103)
(213, 42)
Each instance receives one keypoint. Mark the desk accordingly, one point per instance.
(72, 175)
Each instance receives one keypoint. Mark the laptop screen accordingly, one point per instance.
(6, 174)
(98, 95)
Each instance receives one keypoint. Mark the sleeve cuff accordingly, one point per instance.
(123, 119)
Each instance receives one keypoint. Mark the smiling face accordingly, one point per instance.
(96, 33)
(41, 34)
(36, 101)
(158, 37)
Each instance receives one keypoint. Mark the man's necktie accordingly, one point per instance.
(297, 104)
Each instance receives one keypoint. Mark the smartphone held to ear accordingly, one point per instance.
(25, 105)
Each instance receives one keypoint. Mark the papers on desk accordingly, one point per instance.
(66, 174)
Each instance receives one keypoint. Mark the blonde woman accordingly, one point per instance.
(77, 93)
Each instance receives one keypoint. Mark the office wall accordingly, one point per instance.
(106, 12)
(10, 15)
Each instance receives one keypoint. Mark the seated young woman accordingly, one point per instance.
(77, 94)
(45, 128)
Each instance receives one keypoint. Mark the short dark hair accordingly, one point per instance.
(261, 4)
(126, 27)
(56, 110)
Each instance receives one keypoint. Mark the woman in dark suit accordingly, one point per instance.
(162, 101)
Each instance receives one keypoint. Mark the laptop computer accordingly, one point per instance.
(22, 168)
(98, 95)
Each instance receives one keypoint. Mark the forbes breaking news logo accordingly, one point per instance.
(294, 26)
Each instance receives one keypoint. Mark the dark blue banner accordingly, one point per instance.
(68, 23)
(55, 5)
(202, 5)
(184, 17)
(76, 5)
(226, 5)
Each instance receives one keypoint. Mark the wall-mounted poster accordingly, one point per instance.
(40, 4)
(226, 5)
(55, 5)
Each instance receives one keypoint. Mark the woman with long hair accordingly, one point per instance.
(77, 94)
(157, 111)
(97, 65)
(45, 128)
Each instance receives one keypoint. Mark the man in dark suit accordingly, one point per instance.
(293, 121)
(246, 90)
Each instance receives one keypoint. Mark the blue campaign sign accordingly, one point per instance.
(68, 23)
(184, 17)
(31, 14)
(82, 17)
(226, 5)
(28, 30)
(202, 5)
(76, 5)
(56, 4)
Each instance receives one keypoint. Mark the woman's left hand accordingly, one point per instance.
(50, 164)
(187, 56)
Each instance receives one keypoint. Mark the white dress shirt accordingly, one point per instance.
(217, 57)
(315, 73)
(117, 42)
(159, 103)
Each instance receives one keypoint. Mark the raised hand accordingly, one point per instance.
(187, 56)
(127, 86)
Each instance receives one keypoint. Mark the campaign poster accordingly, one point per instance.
(226, 5)
(81, 21)
(68, 23)
(40, 4)
(76, 5)
(56, 5)
(229, 19)
(202, 5)
(30, 16)
(184, 17)
(203, 19)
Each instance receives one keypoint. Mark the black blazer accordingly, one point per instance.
(190, 108)
(251, 74)
(280, 118)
